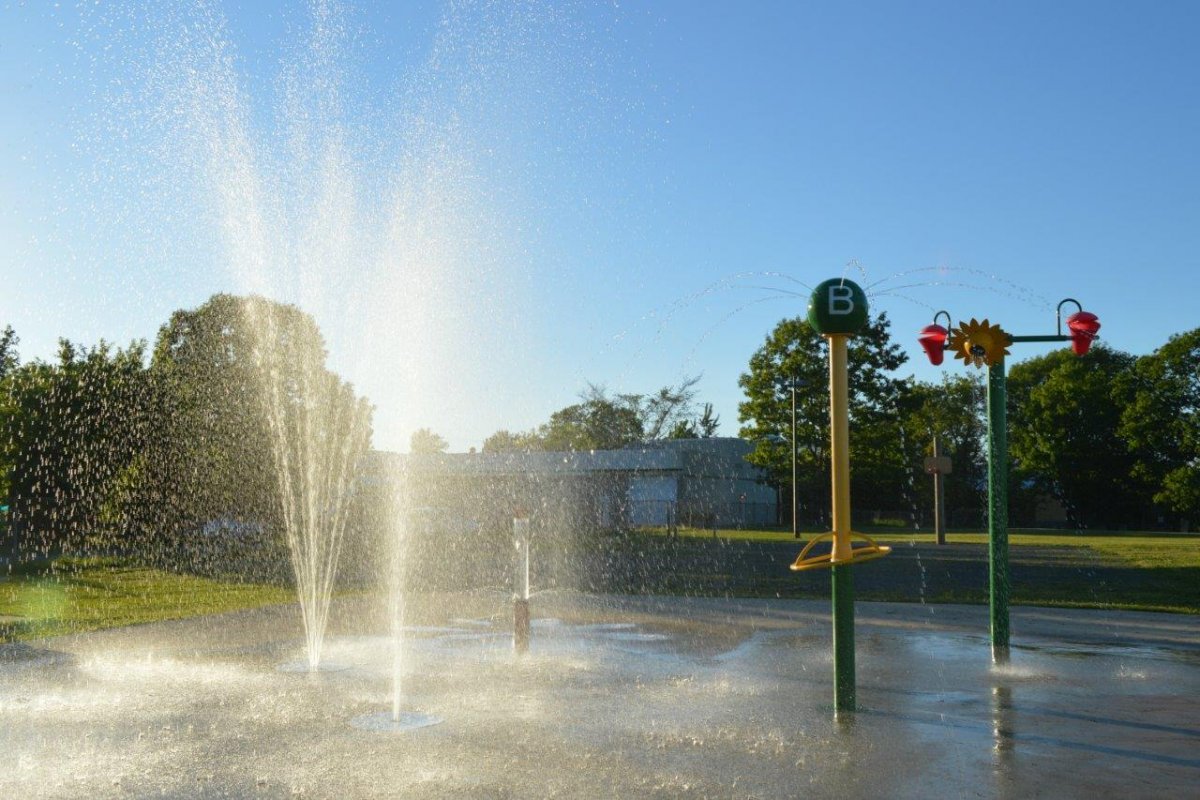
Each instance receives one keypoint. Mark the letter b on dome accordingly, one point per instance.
(837, 306)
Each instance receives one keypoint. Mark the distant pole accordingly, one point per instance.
(795, 478)
(939, 498)
(998, 574)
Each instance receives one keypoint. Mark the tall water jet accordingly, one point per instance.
(347, 227)
(397, 585)
(319, 433)
(521, 622)
(396, 719)
(392, 214)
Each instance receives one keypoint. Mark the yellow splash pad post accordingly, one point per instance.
(837, 309)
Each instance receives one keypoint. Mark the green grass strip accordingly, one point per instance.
(75, 595)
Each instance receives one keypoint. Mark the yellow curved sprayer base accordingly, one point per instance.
(869, 552)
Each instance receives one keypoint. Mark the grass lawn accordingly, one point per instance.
(1147, 549)
(1099, 569)
(86, 594)
(1093, 569)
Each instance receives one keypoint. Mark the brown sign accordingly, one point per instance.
(938, 465)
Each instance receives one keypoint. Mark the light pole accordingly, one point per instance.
(794, 383)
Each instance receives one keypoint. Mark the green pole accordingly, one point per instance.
(843, 638)
(843, 580)
(998, 578)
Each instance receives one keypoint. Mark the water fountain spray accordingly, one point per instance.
(397, 719)
(521, 541)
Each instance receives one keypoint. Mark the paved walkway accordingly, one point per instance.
(619, 697)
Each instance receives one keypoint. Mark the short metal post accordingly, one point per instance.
(521, 626)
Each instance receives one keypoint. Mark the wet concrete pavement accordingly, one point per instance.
(618, 697)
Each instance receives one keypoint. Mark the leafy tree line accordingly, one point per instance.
(68, 432)
(124, 449)
(605, 421)
(1113, 437)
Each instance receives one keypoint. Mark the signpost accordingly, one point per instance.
(938, 466)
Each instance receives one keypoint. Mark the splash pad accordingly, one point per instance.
(617, 696)
(570, 695)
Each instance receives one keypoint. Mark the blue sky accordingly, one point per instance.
(612, 168)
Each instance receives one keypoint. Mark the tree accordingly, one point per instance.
(795, 351)
(9, 361)
(508, 442)
(215, 457)
(67, 431)
(425, 441)
(603, 421)
(594, 424)
(1065, 416)
(1161, 423)
(708, 423)
(253, 427)
(703, 427)
(658, 413)
(8, 351)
